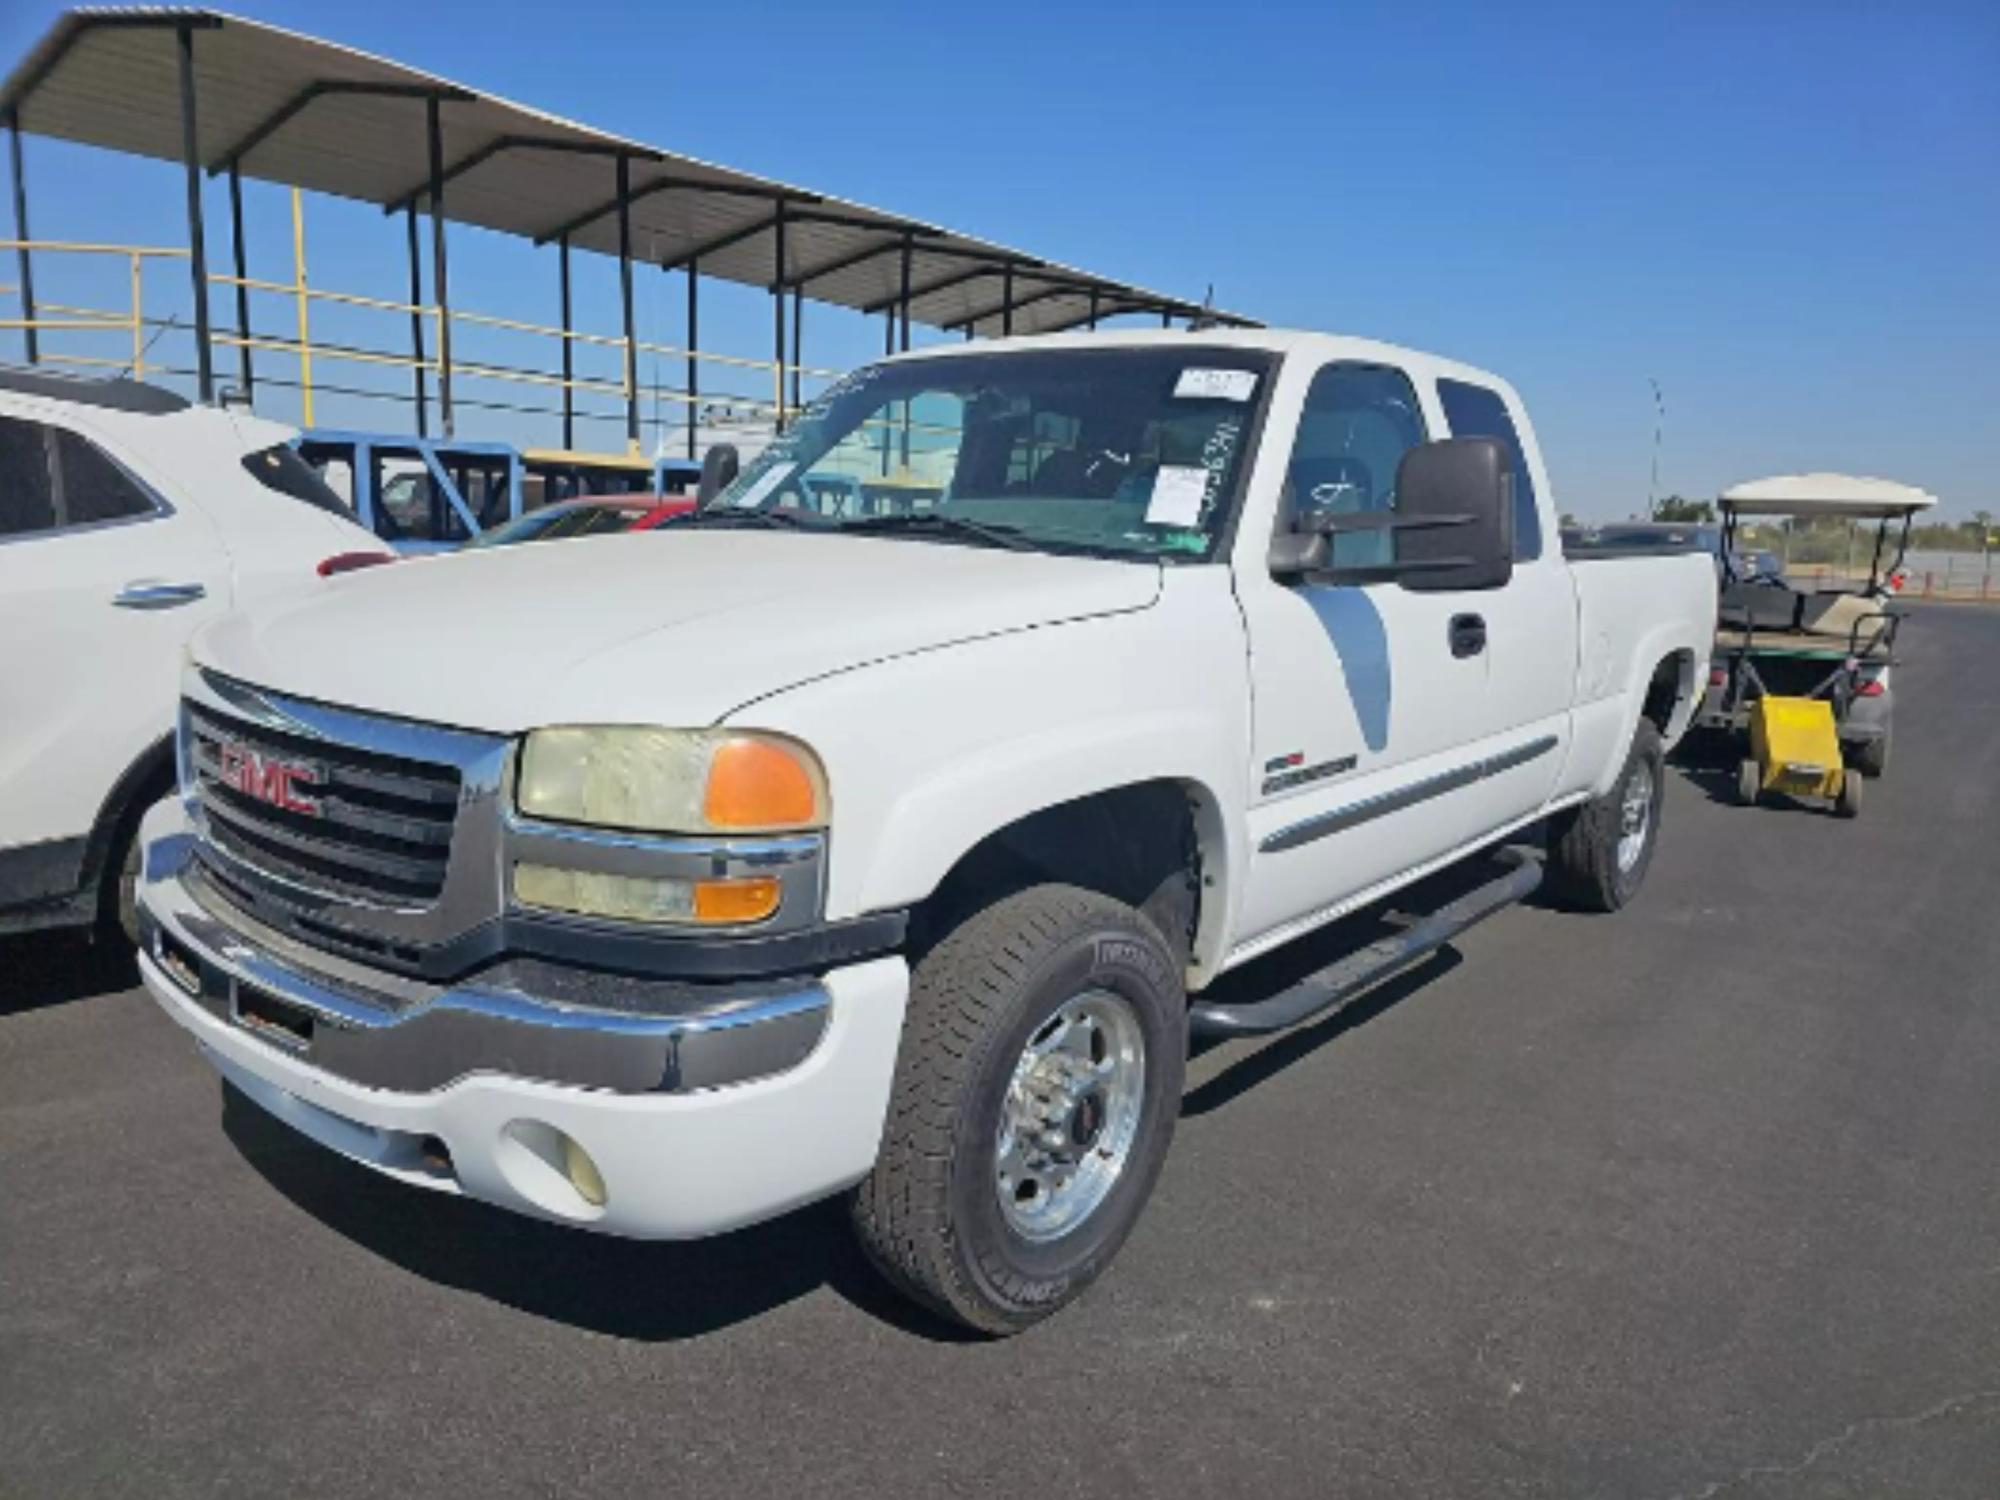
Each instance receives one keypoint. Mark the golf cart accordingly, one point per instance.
(1804, 674)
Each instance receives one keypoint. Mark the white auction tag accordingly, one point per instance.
(1216, 385)
(1177, 497)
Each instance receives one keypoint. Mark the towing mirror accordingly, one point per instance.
(719, 467)
(1452, 528)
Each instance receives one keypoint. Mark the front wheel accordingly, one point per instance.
(1599, 852)
(1848, 803)
(1035, 1096)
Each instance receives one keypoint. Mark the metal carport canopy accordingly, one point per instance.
(295, 110)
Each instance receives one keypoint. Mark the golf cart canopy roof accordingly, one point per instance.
(1826, 495)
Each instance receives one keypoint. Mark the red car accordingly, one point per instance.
(594, 515)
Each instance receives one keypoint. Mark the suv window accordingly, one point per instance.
(27, 499)
(280, 468)
(1477, 411)
(52, 479)
(1358, 422)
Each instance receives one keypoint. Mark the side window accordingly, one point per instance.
(27, 498)
(90, 488)
(1358, 422)
(1476, 411)
(51, 480)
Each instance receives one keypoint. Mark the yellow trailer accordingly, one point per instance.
(1795, 749)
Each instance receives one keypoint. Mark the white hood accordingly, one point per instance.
(663, 627)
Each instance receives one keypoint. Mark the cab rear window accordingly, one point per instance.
(280, 469)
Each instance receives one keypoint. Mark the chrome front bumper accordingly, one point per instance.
(527, 1019)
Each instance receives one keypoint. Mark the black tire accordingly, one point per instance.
(1871, 757)
(1749, 782)
(118, 900)
(1584, 871)
(1848, 803)
(929, 1214)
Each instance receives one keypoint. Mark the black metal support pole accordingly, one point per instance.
(625, 299)
(568, 352)
(798, 344)
(440, 282)
(1166, 318)
(889, 334)
(909, 244)
(1007, 299)
(1093, 309)
(417, 322)
(21, 256)
(197, 249)
(244, 371)
(778, 306)
(693, 375)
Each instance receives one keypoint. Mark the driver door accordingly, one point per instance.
(1369, 701)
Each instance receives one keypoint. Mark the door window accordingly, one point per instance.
(1358, 422)
(52, 479)
(1477, 411)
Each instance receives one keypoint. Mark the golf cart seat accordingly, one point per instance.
(1766, 606)
(1840, 614)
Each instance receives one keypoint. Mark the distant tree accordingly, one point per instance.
(1676, 508)
(1982, 521)
(1569, 522)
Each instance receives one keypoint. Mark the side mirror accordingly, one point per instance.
(719, 467)
(1452, 528)
(1456, 496)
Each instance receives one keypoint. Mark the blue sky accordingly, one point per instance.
(1787, 214)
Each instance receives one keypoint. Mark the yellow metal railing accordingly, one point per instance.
(142, 329)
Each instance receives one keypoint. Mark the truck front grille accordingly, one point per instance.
(332, 818)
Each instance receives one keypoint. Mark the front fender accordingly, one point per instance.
(927, 755)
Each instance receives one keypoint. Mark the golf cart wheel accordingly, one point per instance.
(1599, 851)
(1035, 1095)
(1749, 783)
(1848, 803)
(1872, 759)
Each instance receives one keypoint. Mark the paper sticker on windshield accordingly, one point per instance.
(1216, 385)
(1177, 497)
(772, 477)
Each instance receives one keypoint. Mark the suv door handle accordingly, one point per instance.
(1468, 635)
(145, 593)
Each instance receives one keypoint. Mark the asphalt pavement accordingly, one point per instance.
(1700, 1200)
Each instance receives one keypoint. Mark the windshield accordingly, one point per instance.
(560, 521)
(1118, 452)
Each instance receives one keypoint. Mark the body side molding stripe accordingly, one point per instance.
(1370, 808)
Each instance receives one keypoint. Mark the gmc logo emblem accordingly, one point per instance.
(269, 779)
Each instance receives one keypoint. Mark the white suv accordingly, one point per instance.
(128, 518)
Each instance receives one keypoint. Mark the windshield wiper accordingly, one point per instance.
(938, 523)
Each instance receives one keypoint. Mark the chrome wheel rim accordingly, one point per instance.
(1635, 818)
(1070, 1116)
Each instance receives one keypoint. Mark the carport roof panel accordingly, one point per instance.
(303, 112)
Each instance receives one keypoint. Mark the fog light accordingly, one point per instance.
(583, 1173)
(645, 898)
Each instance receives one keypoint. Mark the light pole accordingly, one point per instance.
(1659, 423)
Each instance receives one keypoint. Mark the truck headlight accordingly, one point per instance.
(671, 780)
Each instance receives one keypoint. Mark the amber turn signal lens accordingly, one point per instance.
(757, 783)
(749, 900)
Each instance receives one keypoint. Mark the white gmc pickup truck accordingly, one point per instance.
(879, 827)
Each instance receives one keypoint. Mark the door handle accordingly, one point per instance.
(1468, 635)
(150, 594)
